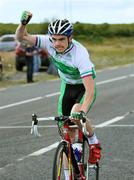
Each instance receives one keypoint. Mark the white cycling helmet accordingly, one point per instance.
(60, 27)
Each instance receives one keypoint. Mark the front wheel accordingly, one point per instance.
(91, 171)
(58, 164)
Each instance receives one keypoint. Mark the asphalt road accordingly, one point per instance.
(25, 157)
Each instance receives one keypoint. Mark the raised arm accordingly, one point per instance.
(21, 32)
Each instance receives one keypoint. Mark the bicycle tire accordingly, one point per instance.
(58, 168)
(91, 171)
(85, 154)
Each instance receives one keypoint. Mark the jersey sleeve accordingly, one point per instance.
(42, 41)
(84, 64)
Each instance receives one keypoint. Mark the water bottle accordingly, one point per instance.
(77, 147)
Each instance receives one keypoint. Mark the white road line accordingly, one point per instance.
(26, 127)
(19, 103)
(40, 151)
(8, 165)
(112, 80)
(57, 93)
(131, 75)
(53, 94)
(118, 118)
(44, 150)
(121, 125)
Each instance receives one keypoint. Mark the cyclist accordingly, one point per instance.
(77, 73)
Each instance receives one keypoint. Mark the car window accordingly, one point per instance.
(7, 39)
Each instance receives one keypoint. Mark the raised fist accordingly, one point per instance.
(25, 17)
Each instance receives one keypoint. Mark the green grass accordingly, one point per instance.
(107, 56)
(112, 52)
(107, 53)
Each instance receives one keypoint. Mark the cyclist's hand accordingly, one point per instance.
(25, 17)
(78, 115)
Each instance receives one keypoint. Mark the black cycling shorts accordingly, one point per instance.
(70, 95)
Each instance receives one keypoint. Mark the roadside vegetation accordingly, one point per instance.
(108, 45)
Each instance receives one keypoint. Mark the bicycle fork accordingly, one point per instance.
(78, 167)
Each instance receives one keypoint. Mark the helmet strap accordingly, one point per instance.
(69, 43)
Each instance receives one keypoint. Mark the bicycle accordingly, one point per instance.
(78, 166)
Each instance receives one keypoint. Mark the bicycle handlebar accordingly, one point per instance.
(35, 121)
(34, 129)
(68, 118)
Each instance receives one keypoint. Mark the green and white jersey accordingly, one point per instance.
(73, 64)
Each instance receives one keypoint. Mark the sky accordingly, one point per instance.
(85, 11)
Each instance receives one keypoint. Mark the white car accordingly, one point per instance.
(8, 42)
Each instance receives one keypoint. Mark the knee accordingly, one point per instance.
(76, 107)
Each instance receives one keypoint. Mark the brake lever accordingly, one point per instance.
(84, 129)
(34, 127)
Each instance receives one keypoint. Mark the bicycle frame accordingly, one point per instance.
(64, 132)
(69, 164)
(65, 137)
